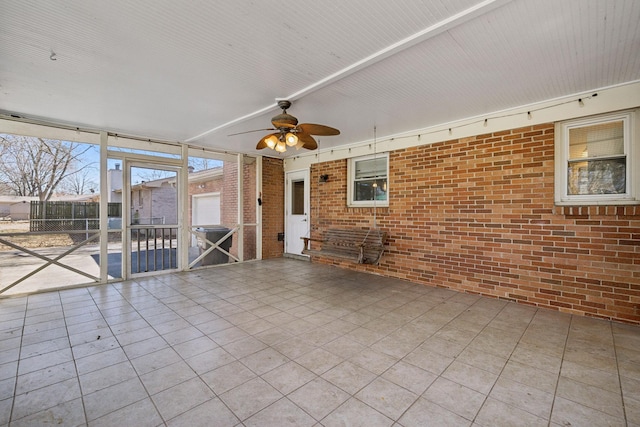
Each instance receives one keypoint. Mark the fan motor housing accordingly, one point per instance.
(284, 120)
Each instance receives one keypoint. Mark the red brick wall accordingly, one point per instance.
(478, 215)
(249, 206)
(272, 207)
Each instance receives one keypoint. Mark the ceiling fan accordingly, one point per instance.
(291, 134)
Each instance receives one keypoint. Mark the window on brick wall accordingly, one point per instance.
(368, 181)
(597, 160)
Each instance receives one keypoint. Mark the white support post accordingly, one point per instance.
(184, 220)
(104, 209)
(240, 207)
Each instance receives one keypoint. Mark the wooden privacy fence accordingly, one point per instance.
(62, 216)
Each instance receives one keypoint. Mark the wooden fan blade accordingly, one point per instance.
(263, 142)
(307, 141)
(250, 131)
(313, 129)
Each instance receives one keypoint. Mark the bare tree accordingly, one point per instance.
(79, 182)
(31, 166)
(200, 163)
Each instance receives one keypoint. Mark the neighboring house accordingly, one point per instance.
(17, 208)
(153, 202)
(114, 185)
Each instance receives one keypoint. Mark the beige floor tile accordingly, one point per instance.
(106, 377)
(67, 413)
(43, 361)
(307, 344)
(525, 374)
(294, 347)
(608, 380)
(288, 377)
(250, 398)
(244, 347)
(567, 412)
(524, 397)
(228, 335)
(195, 346)
(344, 347)
(592, 397)
(211, 413)
(182, 335)
(227, 377)
(44, 377)
(536, 359)
(497, 413)
(410, 377)
(318, 398)
(181, 398)
(145, 347)
(167, 377)
(319, 361)
(354, 413)
(209, 360)
(281, 413)
(105, 401)
(374, 361)
(142, 413)
(455, 397)
(387, 397)
(470, 377)
(8, 370)
(425, 413)
(482, 360)
(100, 360)
(156, 360)
(264, 361)
(349, 377)
(428, 360)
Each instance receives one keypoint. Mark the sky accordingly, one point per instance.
(91, 158)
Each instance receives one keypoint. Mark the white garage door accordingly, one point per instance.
(205, 209)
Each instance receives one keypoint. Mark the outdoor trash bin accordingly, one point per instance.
(213, 234)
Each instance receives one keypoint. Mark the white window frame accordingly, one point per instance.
(631, 150)
(351, 174)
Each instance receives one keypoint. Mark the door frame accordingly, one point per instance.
(127, 214)
(291, 176)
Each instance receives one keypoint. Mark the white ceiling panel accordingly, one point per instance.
(198, 71)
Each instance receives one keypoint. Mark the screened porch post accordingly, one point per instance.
(104, 209)
(183, 210)
(240, 207)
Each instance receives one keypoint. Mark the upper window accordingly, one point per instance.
(594, 160)
(368, 181)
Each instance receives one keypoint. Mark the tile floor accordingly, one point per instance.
(289, 343)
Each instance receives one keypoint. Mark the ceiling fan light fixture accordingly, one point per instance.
(271, 142)
(281, 147)
(291, 138)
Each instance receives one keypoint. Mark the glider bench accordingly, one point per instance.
(362, 246)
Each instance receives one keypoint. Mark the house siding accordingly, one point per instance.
(478, 215)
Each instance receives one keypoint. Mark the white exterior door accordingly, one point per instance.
(297, 206)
